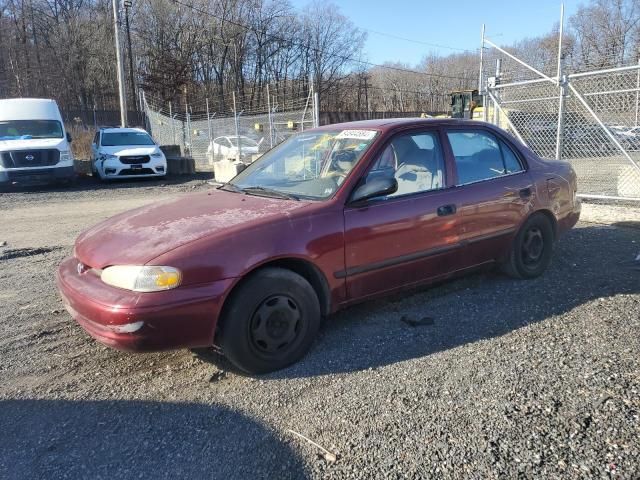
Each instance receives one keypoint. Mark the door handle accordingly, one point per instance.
(445, 210)
(525, 192)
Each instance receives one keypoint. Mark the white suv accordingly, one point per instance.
(126, 153)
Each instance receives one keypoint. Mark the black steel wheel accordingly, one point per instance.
(532, 248)
(270, 321)
(275, 324)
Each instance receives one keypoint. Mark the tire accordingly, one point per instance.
(270, 322)
(532, 249)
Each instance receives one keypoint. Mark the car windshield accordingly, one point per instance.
(116, 139)
(26, 129)
(311, 165)
(244, 142)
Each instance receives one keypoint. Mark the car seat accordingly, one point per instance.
(418, 169)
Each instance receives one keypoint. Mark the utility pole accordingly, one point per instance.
(123, 100)
(562, 84)
(127, 5)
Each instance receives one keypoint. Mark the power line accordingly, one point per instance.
(307, 46)
(436, 45)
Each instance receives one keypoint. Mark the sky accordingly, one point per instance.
(450, 23)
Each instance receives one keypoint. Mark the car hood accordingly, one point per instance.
(33, 144)
(132, 150)
(138, 236)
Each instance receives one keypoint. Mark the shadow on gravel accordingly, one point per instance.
(589, 263)
(88, 183)
(135, 439)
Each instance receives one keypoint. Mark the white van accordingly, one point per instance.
(34, 146)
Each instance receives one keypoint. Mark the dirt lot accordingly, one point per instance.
(503, 378)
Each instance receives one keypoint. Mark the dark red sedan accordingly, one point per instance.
(332, 216)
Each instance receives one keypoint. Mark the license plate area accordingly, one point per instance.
(136, 167)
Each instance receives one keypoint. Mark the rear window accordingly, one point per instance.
(480, 156)
(116, 139)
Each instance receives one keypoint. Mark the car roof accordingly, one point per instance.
(387, 124)
(122, 130)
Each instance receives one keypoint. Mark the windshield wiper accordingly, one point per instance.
(268, 192)
(230, 187)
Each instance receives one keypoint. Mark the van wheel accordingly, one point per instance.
(531, 251)
(271, 321)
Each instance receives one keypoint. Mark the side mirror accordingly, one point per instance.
(69, 139)
(377, 187)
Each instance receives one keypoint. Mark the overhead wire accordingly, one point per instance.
(316, 49)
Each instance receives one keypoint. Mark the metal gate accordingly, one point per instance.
(589, 118)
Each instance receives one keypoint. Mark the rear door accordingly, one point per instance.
(495, 189)
(409, 236)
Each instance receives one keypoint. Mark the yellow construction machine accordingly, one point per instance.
(466, 104)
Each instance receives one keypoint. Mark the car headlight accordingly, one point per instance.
(106, 156)
(156, 155)
(140, 278)
(65, 156)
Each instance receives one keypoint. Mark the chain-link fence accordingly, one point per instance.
(208, 136)
(590, 118)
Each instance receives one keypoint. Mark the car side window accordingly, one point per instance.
(415, 160)
(511, 162)
(480, 156)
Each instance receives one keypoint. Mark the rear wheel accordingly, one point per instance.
(271, 321)
(532, 248)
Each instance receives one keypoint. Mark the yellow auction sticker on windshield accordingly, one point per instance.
(357, 134)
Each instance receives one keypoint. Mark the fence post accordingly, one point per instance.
(480, 89)
(236, 118)
(269, 118)
(562, 81)
(147, 126)
(189, 131)
(496, 113)
(208, 125)
(561, 108)
(638, 92)
(173, 123)
(316, 109)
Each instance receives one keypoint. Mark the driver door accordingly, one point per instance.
(410, 236)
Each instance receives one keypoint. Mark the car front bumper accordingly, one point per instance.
(184, 317)
(36, 175)
(115, 169)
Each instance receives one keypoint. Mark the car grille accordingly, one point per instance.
(134, 160)
(29, 158)
(31, 174)
(137, 171)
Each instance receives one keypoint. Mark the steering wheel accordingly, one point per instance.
(341, 163)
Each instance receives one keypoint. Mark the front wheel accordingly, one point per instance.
(271, 321)
(532, 248)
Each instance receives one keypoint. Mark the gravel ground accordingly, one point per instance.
(481, 377)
